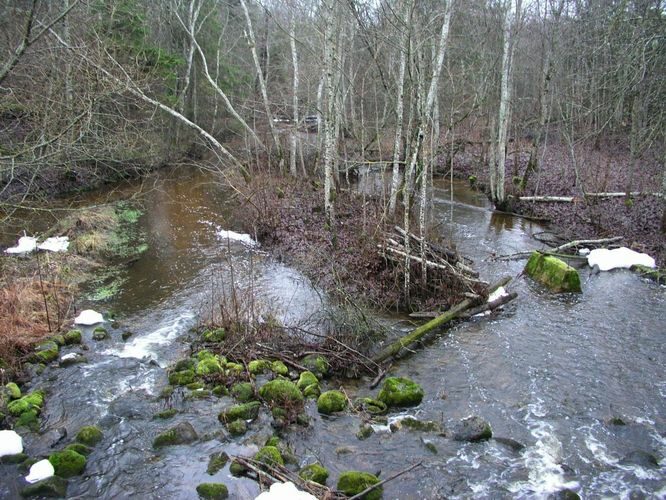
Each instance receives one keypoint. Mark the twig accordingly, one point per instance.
(380, 376)
(380, 483)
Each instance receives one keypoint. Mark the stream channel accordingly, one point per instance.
(549, 372)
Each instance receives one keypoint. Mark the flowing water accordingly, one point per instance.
(549, 372)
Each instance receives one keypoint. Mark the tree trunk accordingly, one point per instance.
(294, 132)
(330, 145)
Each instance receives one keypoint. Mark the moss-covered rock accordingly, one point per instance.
(72, 359)
(237, 427)
(316, 364)
(89, 435)
(352, 483)
(13, 390)
(80, 448)
(331, 401)
(209, 366)
(216, 335)
(216, 462)
(212, 491)
(281, 392)
(220, 390)
(237, 469)
(243, 392)
(400, 392)
(312, 391)
(658, 275)
(553, 272)
(45, 352)
(279, 368)
(29, 419)
(13, 459)
(364, 432)
(73, 337)
(269, 455)
(195, 386)
(67, 463)
(184, 364)
(100, 333)
(258, 366)
(234, 369)
(32, 401)
(183, 377)
(166, 414)
(245, 411)
(314, 472)
(472, 429)
(370, 405)
(52, 487)
(182, 433)
(306, 379)
(421, 425)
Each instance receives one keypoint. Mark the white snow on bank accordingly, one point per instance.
(285, 491)
(40, 470)
(26, 244)
(245, 239)
(10, 443)
(88, 317)
(619, 258)
(55, 244)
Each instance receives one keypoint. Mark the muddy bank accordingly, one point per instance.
(600, 170)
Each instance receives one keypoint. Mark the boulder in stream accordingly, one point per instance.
(245, 411)
(553, 272)
(213, 491)
(400, 392)
(53, 487)
(67, 463)
(281, 392)
(73, 337)
(314, 472)
(331, 402)
(316, 364)
(472, 429)
(89, 435)
(352, 483)
(182, 433)
(640, 458)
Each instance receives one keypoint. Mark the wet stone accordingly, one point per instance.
(53, 487)
(472, 429)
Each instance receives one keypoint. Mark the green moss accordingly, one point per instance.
(306, 379)
(182, 433)
(58, 339)
(331, 402)
(100, 333)
(472, 179)
(89, 435)
(183, 377)
(352, 483)
(314, 472)
(80, 448)
(312, 391)
(199, 393)
(234, 369)
(216, 462)
(53, 487)
(245, 411)
(209, 366)
(128, 215)
(205, 354)
(236, 469)
(243, 391)
(13, 390)
(237, 427)
(269, 455)
(364, 432)
(45, 352)
(258, 366)
(183, 365)
(316, 364)
(553, 272)
(371, 406)
(67, 463)
(13, 459)
(166, 414)
(281, 392)
(167, 392)
(212, 491)
(657, 275)
(400, 392)
(32, 401)
(279, 368)
(220, 390)
(216, 335)
(421, 425)
(28, 419)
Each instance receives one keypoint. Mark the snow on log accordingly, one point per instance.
(619, 258)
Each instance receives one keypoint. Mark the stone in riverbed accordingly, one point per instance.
(209, 366)
(281, 392)
(73, 337)
(641, 458)
(352, 482)
(89, 435)
(67, 463)
(370, 405)
(316, 364)
(53, 487)
(212, 491)
(306, 379)
(216, 462)
(100, 333)
(331, 401)
(32, 401)
(258, 366)
(80, 448)
(269, 455)
(553, 272)
(472, 429)
(45, 352)
(243, 392)
(13, 390)
(245, 411)
(182, 433)
(183, 377)
(400, 392)
(237, 428)
(314, 472)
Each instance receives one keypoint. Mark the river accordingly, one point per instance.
(548, 372)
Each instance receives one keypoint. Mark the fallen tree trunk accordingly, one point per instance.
(417, 334)
(488, 306)
(556, 252)
(571, 199)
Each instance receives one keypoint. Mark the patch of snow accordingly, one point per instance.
(499, 293)
(71, 355)
(88, 318)
(10, 443)
(245, 239)
(584, 251)
(285, 491)
(26, 244)
(55, 244)
(619, 258)
(40, 470)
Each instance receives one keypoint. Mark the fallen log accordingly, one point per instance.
(417, 334)
(571, 199)
(488, 306)
(557, 251)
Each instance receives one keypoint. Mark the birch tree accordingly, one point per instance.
(330, 79)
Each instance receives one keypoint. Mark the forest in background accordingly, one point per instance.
(93, 91)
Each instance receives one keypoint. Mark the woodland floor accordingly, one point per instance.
(601, 170)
